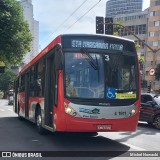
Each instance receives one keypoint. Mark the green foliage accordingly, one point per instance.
(141, 58)
(138, 46)
(15, 37)
(7, 80)
(118, 28)
(157, 73)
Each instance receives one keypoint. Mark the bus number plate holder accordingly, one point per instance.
(104, 127)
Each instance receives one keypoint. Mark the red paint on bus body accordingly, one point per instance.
(21, 101)
(59, 112)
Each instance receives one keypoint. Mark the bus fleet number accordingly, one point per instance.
(120, 113)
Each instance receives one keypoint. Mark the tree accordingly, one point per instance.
(157, 73)
(117, 28)
(7, 80)
(15, 37)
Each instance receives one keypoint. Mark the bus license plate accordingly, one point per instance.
(104, 127)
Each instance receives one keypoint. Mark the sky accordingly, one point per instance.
(66, 16)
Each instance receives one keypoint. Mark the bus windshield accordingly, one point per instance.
(100, 75)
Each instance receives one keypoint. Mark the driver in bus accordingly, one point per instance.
(70, 89)
(126, 81)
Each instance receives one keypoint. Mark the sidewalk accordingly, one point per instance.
(3, 102)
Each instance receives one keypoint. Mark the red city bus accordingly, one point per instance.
(81, 83)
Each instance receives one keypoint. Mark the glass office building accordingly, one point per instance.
(116, 7)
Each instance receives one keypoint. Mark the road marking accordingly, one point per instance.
(35, 140)
(5, 110)
(134, 147)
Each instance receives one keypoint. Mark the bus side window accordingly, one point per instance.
(40, 78)
(32, 72)
(16, 85)
(22, 83)
(37, 79)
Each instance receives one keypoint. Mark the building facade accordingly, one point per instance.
(116, 7)
(34, 29)
(137, 24)
(152, 59)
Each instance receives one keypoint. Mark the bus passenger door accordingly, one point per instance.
(27, 95)
(49, 91)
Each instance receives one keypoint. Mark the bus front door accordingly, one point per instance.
(49, 91)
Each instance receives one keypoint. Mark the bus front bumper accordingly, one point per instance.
(101, 125)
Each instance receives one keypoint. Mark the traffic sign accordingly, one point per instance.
(152, 72)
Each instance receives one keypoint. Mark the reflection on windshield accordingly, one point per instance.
(82, 80)
(114, 76)
(121, 72)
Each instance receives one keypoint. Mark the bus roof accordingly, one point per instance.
(98, 35)
(58, 40)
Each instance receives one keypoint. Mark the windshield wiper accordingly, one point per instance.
(91, 61)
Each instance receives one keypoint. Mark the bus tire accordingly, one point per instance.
(40, 129)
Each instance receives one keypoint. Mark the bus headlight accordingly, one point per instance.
(133, 111)
(69, 110)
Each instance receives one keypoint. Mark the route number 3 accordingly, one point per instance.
(107, 58)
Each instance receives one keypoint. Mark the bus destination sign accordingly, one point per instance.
(96, 44)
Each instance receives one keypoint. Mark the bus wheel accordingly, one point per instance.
(157, 122)
(40, 129)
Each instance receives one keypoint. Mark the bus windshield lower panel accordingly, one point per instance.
(101, 76)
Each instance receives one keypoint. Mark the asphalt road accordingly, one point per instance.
(21, 135)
